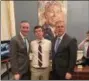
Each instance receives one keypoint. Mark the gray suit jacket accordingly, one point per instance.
(19, 56)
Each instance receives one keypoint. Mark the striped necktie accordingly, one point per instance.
(40, 54)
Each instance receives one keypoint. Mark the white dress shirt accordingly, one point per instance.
(46, 50)
(84, 46)
(61, 37)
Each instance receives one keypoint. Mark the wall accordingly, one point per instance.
(26, 10)
(77, 20)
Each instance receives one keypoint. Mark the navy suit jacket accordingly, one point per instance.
(64, 59)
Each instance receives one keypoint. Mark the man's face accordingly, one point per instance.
(52, 14)
(60, 28)
(39, 33)
(24, 28)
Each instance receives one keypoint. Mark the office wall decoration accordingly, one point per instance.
(50, 13)
(42, 5)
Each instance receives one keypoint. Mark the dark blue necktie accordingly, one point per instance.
(25, 42)
(57, 44)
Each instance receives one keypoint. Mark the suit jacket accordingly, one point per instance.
(19, 56)
(64, 59)
(48, 34)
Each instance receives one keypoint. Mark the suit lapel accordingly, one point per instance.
(61, 45)
(53, 45)
(21, 40)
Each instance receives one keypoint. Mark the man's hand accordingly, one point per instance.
(17, 76)
(68, 76)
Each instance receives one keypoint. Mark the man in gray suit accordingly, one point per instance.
(64, 51)
(19, 49)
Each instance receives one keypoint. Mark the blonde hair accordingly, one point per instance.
(53, 3)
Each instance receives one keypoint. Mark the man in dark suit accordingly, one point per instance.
(19, 49)
(64, 51)
(48, 34)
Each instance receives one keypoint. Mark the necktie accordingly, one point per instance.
(88, 51)
(39, 55)
(25, 42)
(57, 44)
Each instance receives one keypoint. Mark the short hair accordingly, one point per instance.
(24, 21)
(49, 4)
(38, 26)
(59, 22)
(87, 32)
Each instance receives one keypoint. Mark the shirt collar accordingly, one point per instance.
(22, 35)
(61, 37)
(42, 41)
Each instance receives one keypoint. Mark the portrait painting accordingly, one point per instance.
(49, 14)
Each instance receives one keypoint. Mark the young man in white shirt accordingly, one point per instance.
(84, 45)
(40, 51)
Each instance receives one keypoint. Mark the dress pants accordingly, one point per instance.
(40, 74)
(56, 76)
